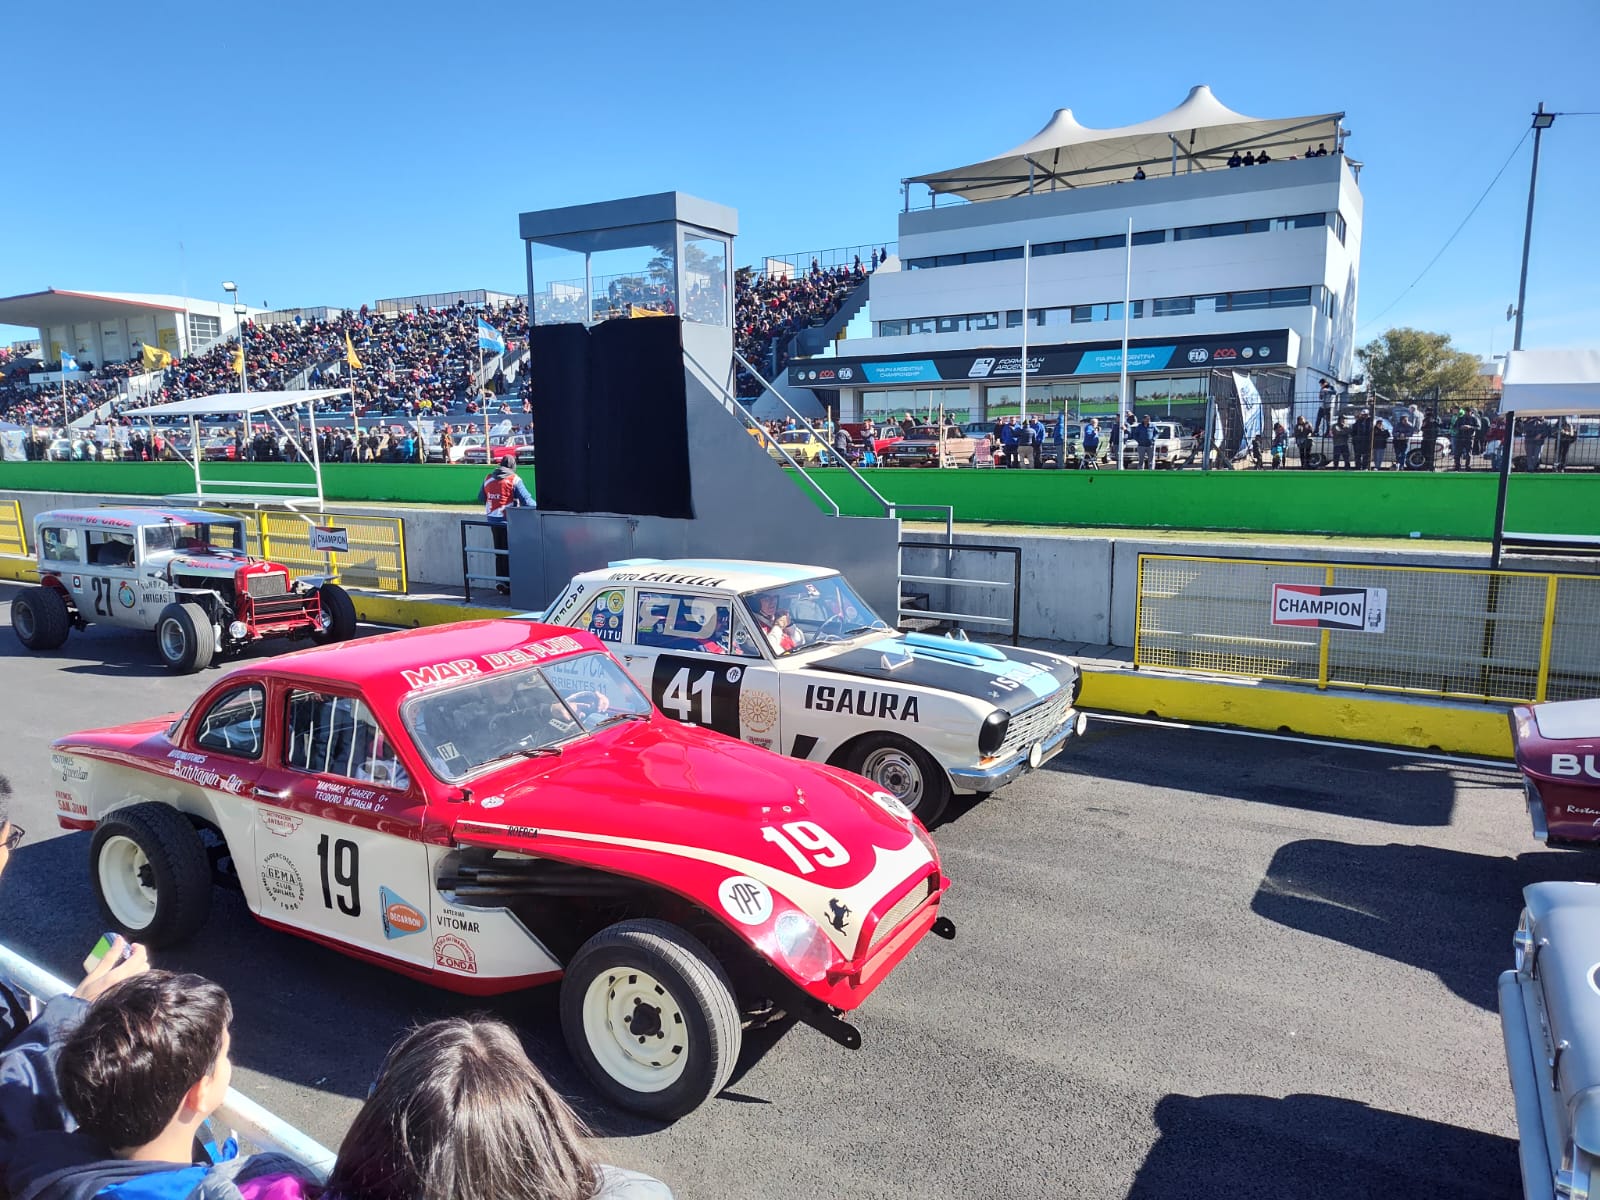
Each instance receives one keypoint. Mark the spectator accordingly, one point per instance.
(1535, 432)
(459, 1111)
(1341, 443)
(1405, 428)
(1249, 158)
(1361, 439)
(1464, 431)
(501, 491)
(1302, 436)
(1138, 172)
(1262, 158)
(1143, 436)
(1380, 443)
(1090, 458)
(1025, 445)
(142, 1073)
(1324, 409)
(1234, 160)
(1430, 438)
(1280, 444)
(1566, 435)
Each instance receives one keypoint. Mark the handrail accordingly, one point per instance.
(948, 511)
(772, 443)
(794, 412)
(238, 1112)
(1015, 586)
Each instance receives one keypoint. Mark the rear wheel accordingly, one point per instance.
(151, 874)
(338, 614)
(185, 638)
(650, 1014)
(40, 617)
(905, 771)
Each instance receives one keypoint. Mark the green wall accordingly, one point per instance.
(1386, 504)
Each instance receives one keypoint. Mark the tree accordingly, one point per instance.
(1406, 363)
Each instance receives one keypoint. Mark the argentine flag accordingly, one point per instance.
(68, 363)
(488, 339)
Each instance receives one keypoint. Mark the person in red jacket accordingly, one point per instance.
(502, 491)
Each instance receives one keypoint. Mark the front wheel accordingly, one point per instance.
(905, 771)
(338, 615)
(40, 617)
(151, 874)
(650, 1014)
(185, 638)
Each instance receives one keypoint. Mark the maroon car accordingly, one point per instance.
(1558, 750)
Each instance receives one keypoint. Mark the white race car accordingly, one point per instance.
(790, 658)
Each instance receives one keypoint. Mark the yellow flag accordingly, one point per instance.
(350, 354)
(155, 358)
(237, 362)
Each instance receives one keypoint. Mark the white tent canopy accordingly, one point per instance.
(1551, 382)
(1067, 154)
(234, 404)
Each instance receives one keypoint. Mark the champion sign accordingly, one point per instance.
(1311, 606)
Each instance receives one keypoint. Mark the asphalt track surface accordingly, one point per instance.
(1187, 964)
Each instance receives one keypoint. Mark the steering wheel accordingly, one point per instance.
(838, 619)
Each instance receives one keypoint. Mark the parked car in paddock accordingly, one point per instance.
(932, 446)
(519, 444)
(180, 573)
(1550, 1022)
(792, 659)
(1171, 445)
(1558, 751)
(805, 447)
(488, 806)
(1583, 445)
(883, 437)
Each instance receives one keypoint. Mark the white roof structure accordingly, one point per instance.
(1065, 154)
(1551, 382)
(235, 404)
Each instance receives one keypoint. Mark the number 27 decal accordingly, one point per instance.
(807, 844)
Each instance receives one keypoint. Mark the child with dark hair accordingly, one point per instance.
(459, 1110)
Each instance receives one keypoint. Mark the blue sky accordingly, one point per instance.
(331, 154)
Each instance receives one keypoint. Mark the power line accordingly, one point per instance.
(1458, 229)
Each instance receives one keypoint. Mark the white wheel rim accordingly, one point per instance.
(635, 1029)
(173, 640)
(897, 773)
(127, 882)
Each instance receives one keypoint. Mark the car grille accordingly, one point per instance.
(1036, 722)
(259, 586)
(901, 912)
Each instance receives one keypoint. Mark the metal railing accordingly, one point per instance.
(257, 1128)
(376, 560)
(469, 575)
(476, 298)
(1504, 636)
(940, 607)
(838, 256)
(13, 529)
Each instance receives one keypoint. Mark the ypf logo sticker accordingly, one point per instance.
(746, 900)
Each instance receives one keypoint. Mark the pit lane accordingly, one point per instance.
(1186, 964)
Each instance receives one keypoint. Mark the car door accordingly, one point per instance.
(702, 663)
(339, 828)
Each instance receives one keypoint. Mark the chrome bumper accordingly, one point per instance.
(1536, 1128)
(988, 779)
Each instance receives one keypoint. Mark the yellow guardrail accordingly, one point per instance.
(13, 532)
(375, 561)
(1507, 636)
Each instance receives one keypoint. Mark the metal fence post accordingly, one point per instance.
(1546, 636)
(1322, 645)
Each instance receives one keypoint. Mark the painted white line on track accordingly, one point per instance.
(1456, 759)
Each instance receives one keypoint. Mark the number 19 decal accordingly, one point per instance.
(807, 844)
(346, 874)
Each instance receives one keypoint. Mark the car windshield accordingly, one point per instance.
(194, 535)
(812, 612)
(530, 712)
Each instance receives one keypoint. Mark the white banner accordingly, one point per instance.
(1249, 407)
(1315, 606)
(325, 538)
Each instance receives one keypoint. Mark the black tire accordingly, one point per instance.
(692, 983)
(905, 770)
(175, 874)
(184, 638)
(1318, 460)
(40, 617)
(341, 613)
(1416, 459)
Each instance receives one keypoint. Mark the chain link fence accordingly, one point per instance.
(376, 560)
(1506, 636)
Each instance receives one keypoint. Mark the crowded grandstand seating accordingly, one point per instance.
(771, 309)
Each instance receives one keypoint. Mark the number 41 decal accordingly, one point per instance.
(807, 844)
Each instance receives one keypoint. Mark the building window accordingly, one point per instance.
(203, 331)
(1150, 237)
(891, 328)
(1290, 297)
(1173, 306)
(1007, 254)
(1336, 223)
(920, 325)
(1245, 301)
(1043, 249)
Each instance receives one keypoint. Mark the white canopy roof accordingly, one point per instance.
(1551, 382)
(1067, 154)
(238, 404)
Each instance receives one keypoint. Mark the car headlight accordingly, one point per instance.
(992, 733)
(802, 946)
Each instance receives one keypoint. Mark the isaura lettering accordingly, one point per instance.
(862, 702)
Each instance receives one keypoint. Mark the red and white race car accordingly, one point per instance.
(493, 805)
(1558, 750)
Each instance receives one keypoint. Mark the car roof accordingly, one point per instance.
(125, 518)
(732, 574)
(381, 660)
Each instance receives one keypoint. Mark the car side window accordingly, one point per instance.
(108, 549)
(337, 735)
(603, 617)
(681, 621)
(60, 543)
(233, 725)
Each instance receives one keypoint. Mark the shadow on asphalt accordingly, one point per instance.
(1315, 1148)
(1335, 780)
(1443, 911)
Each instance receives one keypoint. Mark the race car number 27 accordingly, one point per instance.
(689, 690)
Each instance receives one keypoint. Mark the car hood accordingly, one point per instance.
(1010, 677)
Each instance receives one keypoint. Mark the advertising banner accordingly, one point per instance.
(1314, 606)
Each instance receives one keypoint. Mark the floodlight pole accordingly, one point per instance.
(1541, 121)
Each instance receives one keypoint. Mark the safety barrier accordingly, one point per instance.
(1507, 636)
(1005, 595)
(256, 1128)
(375, 561)
(13, 531)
